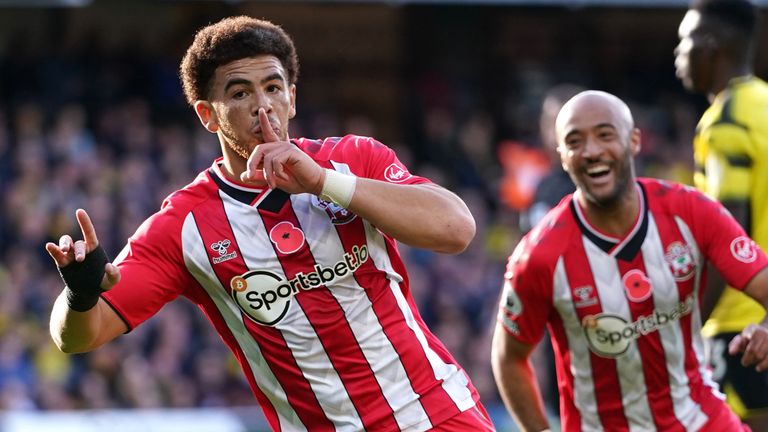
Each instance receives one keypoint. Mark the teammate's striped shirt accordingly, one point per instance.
(623, 313)
(313, 300)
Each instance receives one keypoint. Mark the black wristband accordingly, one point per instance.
(83, 280)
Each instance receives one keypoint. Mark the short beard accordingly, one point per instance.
(622, 185)
(235, 144)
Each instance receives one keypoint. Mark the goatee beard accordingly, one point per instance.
(240, 150)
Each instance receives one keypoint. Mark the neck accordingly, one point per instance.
(722, 79)
(233, 165)
(615, 219)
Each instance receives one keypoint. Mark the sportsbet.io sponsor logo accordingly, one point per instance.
(609, 335)
(265, 297)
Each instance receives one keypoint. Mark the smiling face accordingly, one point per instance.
(597, 141)
(238, 90)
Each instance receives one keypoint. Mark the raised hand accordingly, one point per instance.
(283, 165)
(69, 251)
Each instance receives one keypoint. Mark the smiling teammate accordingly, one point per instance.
(615, 272)
(289, 248)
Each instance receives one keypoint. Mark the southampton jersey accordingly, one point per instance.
(312, 300)
(623, 314)
(731, 154)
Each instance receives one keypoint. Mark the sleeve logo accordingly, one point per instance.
(396, 174)
(744, 249)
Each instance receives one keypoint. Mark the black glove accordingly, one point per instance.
(83, 280)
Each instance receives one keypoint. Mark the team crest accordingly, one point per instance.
(744, 249)
(584, 296)
(339, 215)
(680, 261)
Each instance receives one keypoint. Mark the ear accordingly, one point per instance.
(292, 96)
(207, 115)
(634, 141)
(560, 151)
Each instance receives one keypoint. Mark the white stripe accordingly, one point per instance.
(666, 297)
(376, 347)
(196, 260)
(698, 341)
(455, 382)
(300, 337)
(581, 367)
(629, 366)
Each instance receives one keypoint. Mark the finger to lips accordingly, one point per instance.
(267, 132)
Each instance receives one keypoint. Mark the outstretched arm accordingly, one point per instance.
(516, 381)
(424, 216)
(80, 319)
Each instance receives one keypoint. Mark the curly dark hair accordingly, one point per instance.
(233, 39)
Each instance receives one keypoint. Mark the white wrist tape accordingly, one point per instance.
(338, 188)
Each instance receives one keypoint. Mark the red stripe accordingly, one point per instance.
(436, 402)
(604, 373)
(652, 356)
(273, 348)
(198, 294)
(330, 323)
(701, 393)
(571, 417)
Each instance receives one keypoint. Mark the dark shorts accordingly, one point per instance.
(746, 389)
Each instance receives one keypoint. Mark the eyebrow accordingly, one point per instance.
(598, 126)
(242, 81)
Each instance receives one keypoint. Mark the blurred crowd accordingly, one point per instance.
(82, 132)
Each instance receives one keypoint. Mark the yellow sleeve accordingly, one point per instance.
(728, 162)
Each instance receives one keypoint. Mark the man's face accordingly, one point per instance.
(694, 54)
(596, 149)
(239, 89)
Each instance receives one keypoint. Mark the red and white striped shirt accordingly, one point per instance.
(623, 314)
(313, 300)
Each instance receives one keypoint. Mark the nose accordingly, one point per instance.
(592, 148)
(260, 100)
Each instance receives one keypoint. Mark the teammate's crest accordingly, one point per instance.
(637, 285)
(744, 249)
(396, 173)
(680, 261)
(286, 237)
(339, 215)
(584, 296)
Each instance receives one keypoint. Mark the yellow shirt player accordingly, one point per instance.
(731, 157)
(715, 57)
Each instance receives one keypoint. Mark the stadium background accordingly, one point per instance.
(92, 116)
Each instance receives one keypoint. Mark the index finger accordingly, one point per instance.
(86, 226)
(267, 132)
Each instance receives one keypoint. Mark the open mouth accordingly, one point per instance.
(598, 171)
